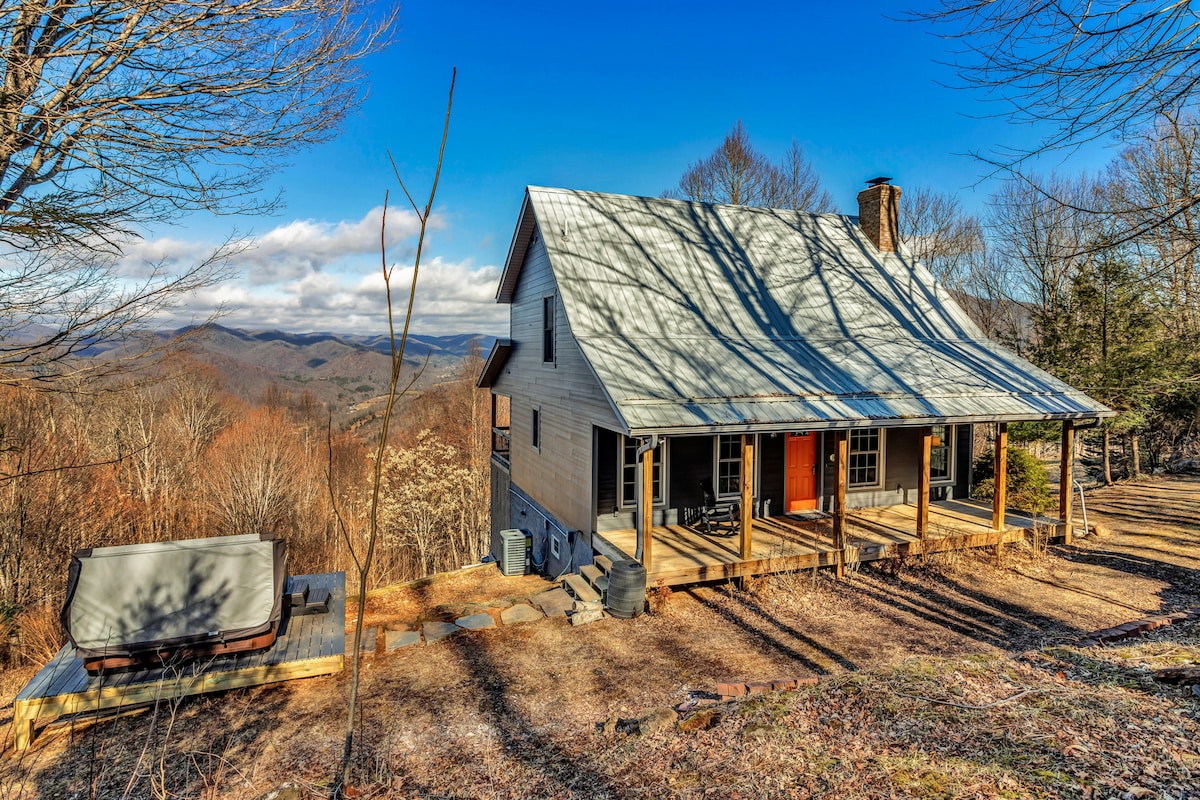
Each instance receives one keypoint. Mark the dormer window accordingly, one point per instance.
(548, 329)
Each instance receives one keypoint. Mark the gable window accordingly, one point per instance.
(941, 454)
(535, 430)
(866, 458)
(729, 464)
(629, 471)
(548, 330)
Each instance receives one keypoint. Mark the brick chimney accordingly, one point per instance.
(879, 214)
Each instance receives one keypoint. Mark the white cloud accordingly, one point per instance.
(321, 276)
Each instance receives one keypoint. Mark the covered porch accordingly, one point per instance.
(683, 554)
(676, 552)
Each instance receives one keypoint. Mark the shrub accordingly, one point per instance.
(1028, 484)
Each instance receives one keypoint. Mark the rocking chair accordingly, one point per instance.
(723, 519)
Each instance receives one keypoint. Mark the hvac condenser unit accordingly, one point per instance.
(512, 552)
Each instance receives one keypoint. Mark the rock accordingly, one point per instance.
(515, 615)
(1099, 531)
(755, 730)
(367, 645)
(654, 721)
(394, 640)
(1177, 674)
(703, 720)
(586, 612)
(1196, 690)
(283, 792)
(554, 602)
(436, 631)
(476, 622)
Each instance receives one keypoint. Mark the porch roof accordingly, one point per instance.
(697, 317)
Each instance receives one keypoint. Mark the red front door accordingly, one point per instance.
(801, 472)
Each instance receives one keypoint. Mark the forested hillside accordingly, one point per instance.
(175, 454)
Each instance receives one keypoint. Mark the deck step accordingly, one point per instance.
(603, 562)
(596, 578)
(578, 586)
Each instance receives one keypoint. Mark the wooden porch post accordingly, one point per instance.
(841, 455)
(1000, 481)
(646, 515)
(926, 449)
(1066, 478)
(747, 522)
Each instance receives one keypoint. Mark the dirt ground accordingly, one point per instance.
(959, 676)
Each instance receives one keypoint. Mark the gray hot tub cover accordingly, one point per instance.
(126, 600)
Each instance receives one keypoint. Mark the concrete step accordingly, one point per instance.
(604, 563)
(578, 586)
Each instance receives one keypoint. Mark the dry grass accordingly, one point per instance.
(956, 676)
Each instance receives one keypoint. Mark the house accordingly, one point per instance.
(802, 366)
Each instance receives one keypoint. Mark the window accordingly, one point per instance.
(535, 431)
(866, 450)
(729, 464)
(941, 454)
(629, 472)
(548, 330)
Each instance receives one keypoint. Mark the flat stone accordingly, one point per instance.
(587, 615)
(514, 615)
(476, 622)
(394, 640)
(436, 631)
(367, 645)
(554, 603)
(655, 720)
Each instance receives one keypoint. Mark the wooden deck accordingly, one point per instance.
(681, 554)
(307, 646)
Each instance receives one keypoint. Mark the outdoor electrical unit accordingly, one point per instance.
(514, 548)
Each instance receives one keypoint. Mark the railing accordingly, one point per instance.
(501, 443)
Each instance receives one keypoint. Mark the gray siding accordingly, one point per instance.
(557, 475)
(900, 464)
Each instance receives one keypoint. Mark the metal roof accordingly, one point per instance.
(698, 317)
(497, 358)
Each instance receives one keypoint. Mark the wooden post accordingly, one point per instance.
(747, 522)
(926, 449)
(646, 518)
(1000, 481)
(841, 457)
(1066, 475)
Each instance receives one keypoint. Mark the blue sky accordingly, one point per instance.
(614, 97)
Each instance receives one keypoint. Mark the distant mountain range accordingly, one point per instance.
(343, 370)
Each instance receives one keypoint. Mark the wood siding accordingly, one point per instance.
(558, 475)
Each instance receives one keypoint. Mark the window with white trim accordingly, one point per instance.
(729, 465)
(629, 472)
(941, 454)
(866, 458)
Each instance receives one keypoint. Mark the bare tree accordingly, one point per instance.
(738, 174)
(114, 115)
(1085, 69)
(937, 232)
(364, 559)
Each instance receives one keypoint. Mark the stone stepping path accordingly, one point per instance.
(554, 602)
